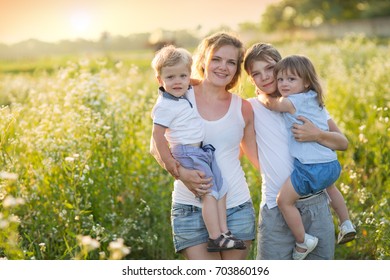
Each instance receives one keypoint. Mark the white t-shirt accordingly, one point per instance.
(276, 162)
(225, 135)
(179, 116)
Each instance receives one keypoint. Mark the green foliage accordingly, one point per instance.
(288, 14)
(78, 142)
(354, 72)
(77, 180)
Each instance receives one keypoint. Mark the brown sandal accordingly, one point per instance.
(223, 243)
(230, 235)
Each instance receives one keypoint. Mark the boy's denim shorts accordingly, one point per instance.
(312, 178)
(188, 228)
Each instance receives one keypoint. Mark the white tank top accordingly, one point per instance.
(225, 134)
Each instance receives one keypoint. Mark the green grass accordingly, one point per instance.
(76, 174)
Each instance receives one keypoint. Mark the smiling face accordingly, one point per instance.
(290, 83)
(221, 66)
(262, 75)
(175, 79)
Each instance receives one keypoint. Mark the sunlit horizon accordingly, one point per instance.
(53, 21)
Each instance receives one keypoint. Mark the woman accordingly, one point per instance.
(229, 125)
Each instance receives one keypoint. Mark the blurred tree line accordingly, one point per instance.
(282, 16)
(104, 44)
(289, 14)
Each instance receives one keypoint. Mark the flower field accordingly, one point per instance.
(77, 180)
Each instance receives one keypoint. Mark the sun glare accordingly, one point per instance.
(80, 22)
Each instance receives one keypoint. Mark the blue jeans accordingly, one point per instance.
(188, 228)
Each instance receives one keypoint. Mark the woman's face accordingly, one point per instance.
(221, 66)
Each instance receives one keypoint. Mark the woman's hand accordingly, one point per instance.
(172, 166)
(195, 181)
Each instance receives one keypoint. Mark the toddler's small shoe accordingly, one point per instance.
(310, 243)
(347, 232)
(223, 243)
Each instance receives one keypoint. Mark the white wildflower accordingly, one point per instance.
(69, 159)
(3, 222)
(118, 250)
(362, 138)
(8, 176)
(42, 246)
(10, 201)
(88, 243)
(14, 219)
(344, 188)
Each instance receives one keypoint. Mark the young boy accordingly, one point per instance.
(175, 121)
(315, 166)
(277, 242)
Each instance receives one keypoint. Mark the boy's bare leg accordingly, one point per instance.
(210, 216)
(222, 214)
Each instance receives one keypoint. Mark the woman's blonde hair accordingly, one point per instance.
(302, 67)
(210, 45)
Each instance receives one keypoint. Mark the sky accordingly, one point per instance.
(53, 20)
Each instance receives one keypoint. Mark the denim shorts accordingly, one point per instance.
(188, 228)
(312, 178)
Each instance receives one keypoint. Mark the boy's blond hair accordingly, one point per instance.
(260, 52)
(169, 56)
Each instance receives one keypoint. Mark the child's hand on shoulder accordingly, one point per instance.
(194, 82)
(267, 100)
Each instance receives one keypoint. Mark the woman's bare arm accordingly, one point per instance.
(248, 143)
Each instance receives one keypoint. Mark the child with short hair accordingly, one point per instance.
(176, 122)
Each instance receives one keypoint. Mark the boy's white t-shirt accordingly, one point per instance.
(178, 115)
(276, 162)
